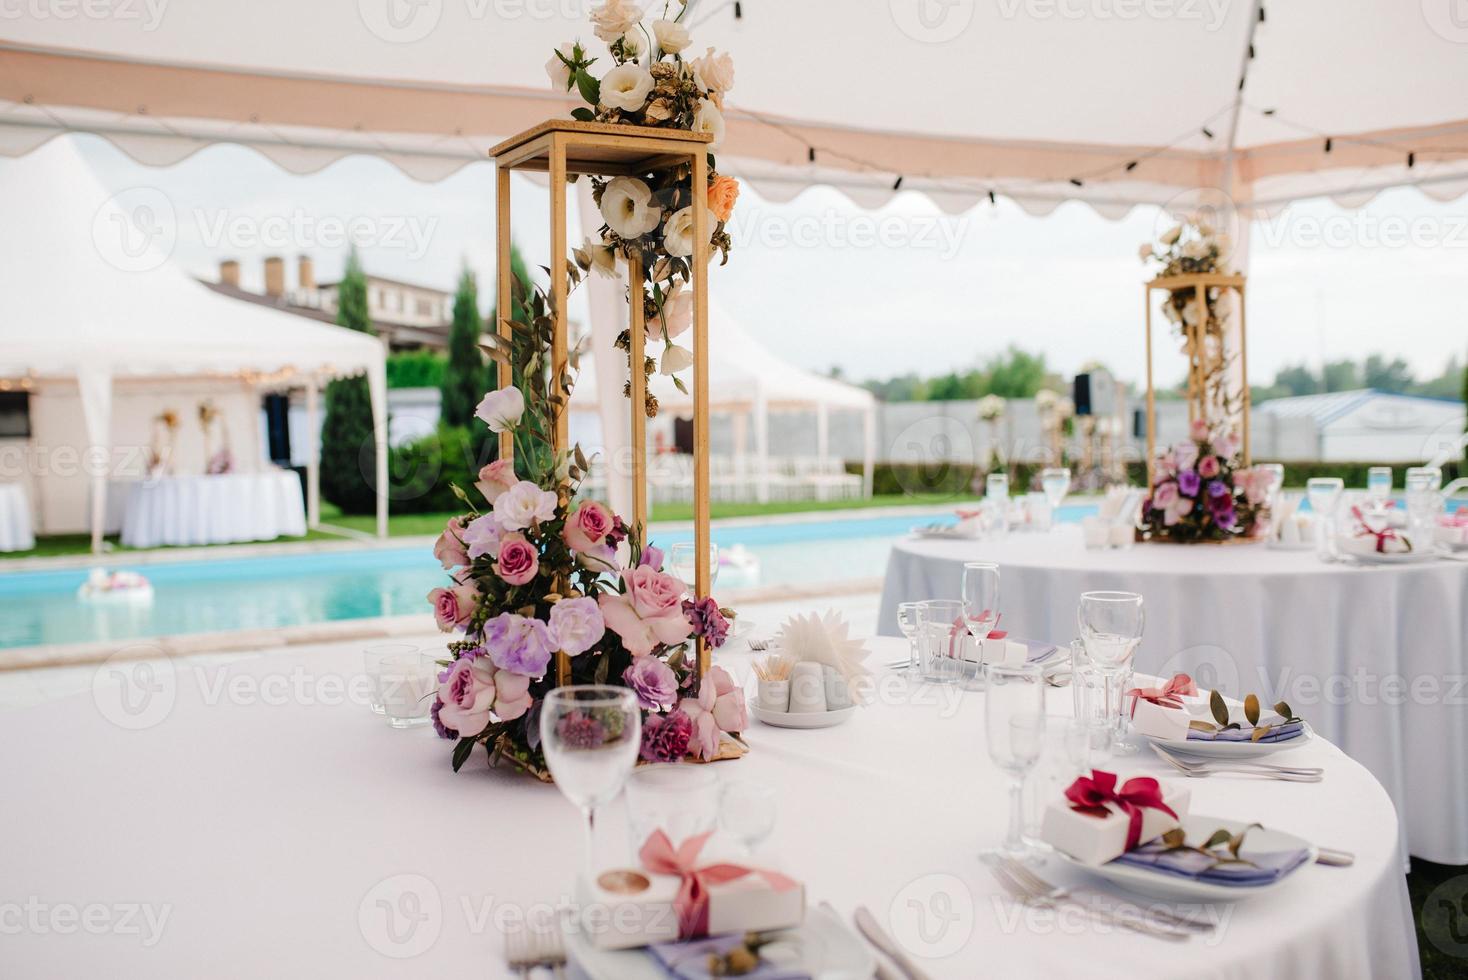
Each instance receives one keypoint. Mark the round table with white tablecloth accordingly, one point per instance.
(220, 509)
(268, 824)
(1374, 657)
(16, 530)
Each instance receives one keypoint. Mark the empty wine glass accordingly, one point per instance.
(996, 487)
(1014, 728)
(1055, 483)
(1379, 483)
(1324, 494)
(747, 811)
(591, 734)
(980, 608)
(1111, 627)
(683, 562)
(907, 622)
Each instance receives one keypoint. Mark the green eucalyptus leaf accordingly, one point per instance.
(1175, 838)
(1260, 732)
(1219, 836)
(1217, 707)
(462, 751)
(589, 87)
(1284, 710)
(1251, 709)
(1199, 725)
(582, 113)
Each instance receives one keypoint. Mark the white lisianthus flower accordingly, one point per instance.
(628, 208)
(678, 233)
(556, 70)
(501, 410)
(677, 315)
(675, 359)
(1171, 235)
(614, 18)
(1195, 249)
(626, 87)
(672, 36)
(991, 407)
(1224, 242)
(522, 505)
(709, 119)
(714, 72)
(602, 257)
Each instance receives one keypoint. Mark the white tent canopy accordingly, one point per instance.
(90, 297)
(1115, 102)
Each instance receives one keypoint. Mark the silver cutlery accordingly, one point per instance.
(1058, 894)
(1334, 858)
(1026, 895)
(867, 925)
(527, 950)
(1191, 767)
(883, 972)
(1250, 763)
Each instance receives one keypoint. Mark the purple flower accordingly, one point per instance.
(443, 730)
(653, 681)
(519, 644)
(1225, 516)
(482, 537)
(708, 622)
(665, 737)
(1218, 490)
(576, 625)
(579, 730)
(652, 555)
(1188, 483)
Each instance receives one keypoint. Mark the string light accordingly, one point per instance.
(1411, 160)
(1207, 132)
(1077, 182)
(1329, 143)
(811, 153)
(992, 198)
(1132, 165)
(897, 184)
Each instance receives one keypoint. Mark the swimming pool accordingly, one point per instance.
(259, 593)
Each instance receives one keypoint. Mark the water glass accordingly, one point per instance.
(591, 734)
(1111, 626)
(1379, 483)
(996, 487)
(372, 658)
(1092, 709)
(907, 622)
(1065, 753)
(1014, 727)
(940, 639)
(683, 562)
(1424, 501)
(406, 683)
(980, 609)
(1324, 494)
(747, 812)
(680, 799)
(1055, 482)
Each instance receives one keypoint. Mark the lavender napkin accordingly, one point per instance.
(1264, 867)
(690, 960)
(1280, 733)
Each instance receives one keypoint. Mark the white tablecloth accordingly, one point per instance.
(1374, 658)
(16, 533)
(289, 832)
(193, 510)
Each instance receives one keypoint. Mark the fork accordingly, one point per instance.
(1031, 896)
(1192, 763)
(1200, 769)
(526, 950)
(1059, 894)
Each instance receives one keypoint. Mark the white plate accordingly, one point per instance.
(801, 719)
(1396, 558)
(1157, 884)
(1201, 749)
(948, 532)
(822, 946)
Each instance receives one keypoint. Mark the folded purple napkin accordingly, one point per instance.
(1264, 867)
(690, 960)
(1280, 733)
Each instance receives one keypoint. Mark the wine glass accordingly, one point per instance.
(996, 487)
(1055, 482)
(1379, 484)
(980, 604)
(591, 734)
(683, 560)
(1014, 728)
(747, 812)
(1111, 627)
(907, 622)
(1324, 494)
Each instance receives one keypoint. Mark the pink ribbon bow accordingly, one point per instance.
(960, 628)
(1382, 536)
(1169, 695)
(1090, 794)
(692, 902)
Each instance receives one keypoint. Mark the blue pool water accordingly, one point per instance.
(256, 593)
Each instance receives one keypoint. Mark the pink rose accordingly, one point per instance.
(1227, 445)
(453, 608)
(449, 549)
(1164, 495)
(649, 613)
(496, 478)
(586, 533)
(518, 560)
(1208, 467)
(474, 688)
(1177, 510)
(718, 707)
(1198, 430)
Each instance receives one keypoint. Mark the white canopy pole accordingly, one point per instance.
(606, 306)
(313, 453)
(377, 389)
(94, 385)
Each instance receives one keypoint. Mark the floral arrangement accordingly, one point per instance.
(651, 83)
(1201, 493)
(160, 451)
(537, 571)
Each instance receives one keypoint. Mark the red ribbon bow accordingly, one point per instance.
(1169, 695)
(1365, 530)
(692, 902)
(1091, 794)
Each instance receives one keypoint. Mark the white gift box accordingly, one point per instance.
(1452, 534)
(1095, 840)
(1157, 721)
(1004, 652)
(624, 908)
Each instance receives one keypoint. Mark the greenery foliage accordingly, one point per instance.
(463, 379)
(416, 369)
(348, 454)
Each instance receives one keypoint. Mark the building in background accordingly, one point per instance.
(1370, 425)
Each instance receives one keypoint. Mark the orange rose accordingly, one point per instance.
(723, 192)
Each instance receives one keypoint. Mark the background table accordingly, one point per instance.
(16, 532)
(1375, 658)
(194, 510)
(291, 832)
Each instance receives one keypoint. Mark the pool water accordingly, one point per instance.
(260, 593)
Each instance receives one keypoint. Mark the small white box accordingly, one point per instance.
(1004, 652)
(1095, 840)
(612, 917)
(1160, 722)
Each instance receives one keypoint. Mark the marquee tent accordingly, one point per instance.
(90, 297)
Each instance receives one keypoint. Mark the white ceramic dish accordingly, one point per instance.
(949, 532)
(1395, 558)
(1201, 749)
(822, 946)
(1157, 884)
(801, 719)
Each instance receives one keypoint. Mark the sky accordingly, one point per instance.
(827, 284)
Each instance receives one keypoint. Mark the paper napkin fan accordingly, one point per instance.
(823, 638)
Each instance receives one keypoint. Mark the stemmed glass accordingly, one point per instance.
(1379, 484)
(1111, 627)
(747, 811)
(1324, 494)
(683, 560)
(980, 605)
(591, 734)
(1014, 724)
(1055, 483)
(908, 622)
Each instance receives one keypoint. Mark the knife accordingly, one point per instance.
(867, 925)
(883, 973)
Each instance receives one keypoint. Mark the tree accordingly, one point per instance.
(1383, 375)
(1340, 376)
(348, 452)
(463, 379)
(1013, 374)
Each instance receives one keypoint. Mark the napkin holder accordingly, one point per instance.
(627, 908)
(1094, 840)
